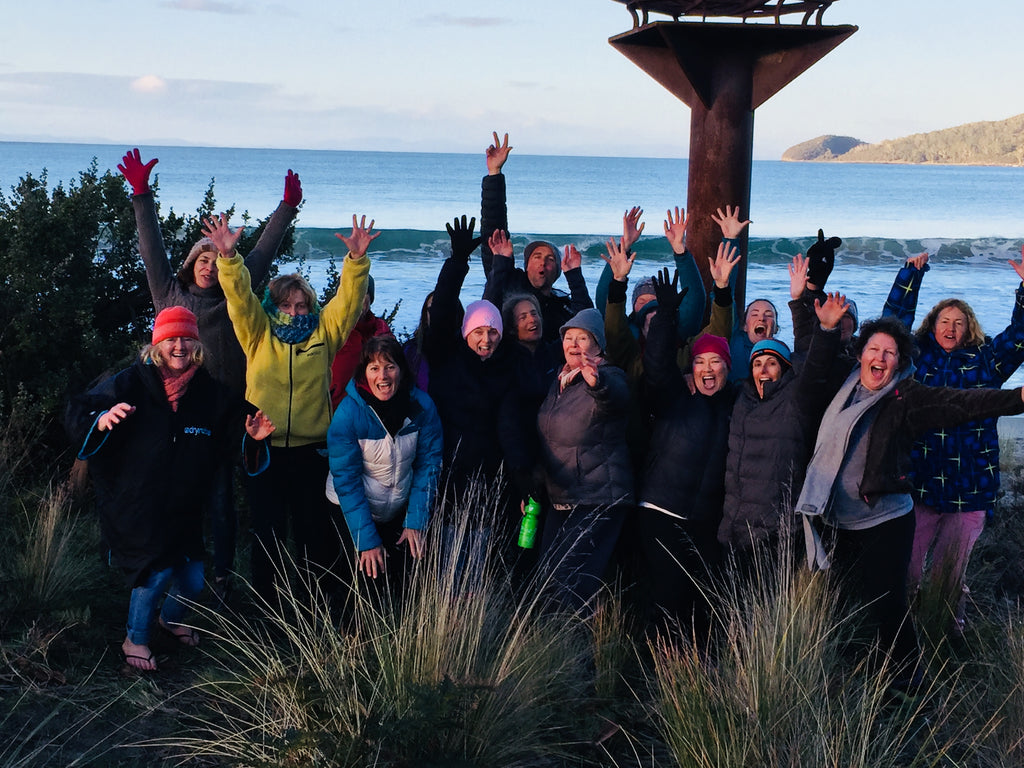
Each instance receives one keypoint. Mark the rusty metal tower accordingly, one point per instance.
(723, 70)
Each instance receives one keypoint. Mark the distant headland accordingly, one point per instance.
(998, 142)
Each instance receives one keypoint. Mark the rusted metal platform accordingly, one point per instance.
(723, 71)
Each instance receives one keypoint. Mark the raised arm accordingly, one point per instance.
(662, 378)
(163, 285)
(493, 204)
(631, 229)
(1008, 346)
(623, 347)
(579, 297)
(443, 330)
(262, 255)
(821, 258)
(902, 300)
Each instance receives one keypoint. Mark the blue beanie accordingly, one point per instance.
(772, 347)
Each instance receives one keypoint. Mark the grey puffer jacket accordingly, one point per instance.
(583, 440)
(224, 360)
(770, 443)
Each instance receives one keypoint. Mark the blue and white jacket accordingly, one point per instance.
(377, 477)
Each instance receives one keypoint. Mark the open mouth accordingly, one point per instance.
(761, 330)
(707, 382)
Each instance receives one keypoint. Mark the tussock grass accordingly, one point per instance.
(780, 688)
(452, 671)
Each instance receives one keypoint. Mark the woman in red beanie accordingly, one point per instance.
(154, 434)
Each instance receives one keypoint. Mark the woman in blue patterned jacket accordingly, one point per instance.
(955, 470)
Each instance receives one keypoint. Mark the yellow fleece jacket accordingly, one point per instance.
(291, 382)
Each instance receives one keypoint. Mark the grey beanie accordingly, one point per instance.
(852, 311)
(534, 245)
(643, 288)
(589, 320)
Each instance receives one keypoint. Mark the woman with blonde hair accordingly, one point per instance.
(955, 470)
(155, 435)
(289, 343)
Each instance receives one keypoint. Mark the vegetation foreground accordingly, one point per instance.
(463, 674)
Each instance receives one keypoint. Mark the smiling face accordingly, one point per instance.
(576, 344)
(529, 327)
(709, 373)
(765, 368)
(760, 321)
(294, 304)
(950, 328)
(483, 340)
(383, 377)
(879, 361)
(177, 353)
(204, 269)
(542, 268)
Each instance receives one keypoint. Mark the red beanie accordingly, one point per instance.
(175, 322)
(709, 343)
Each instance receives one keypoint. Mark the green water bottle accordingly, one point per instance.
(528, 528)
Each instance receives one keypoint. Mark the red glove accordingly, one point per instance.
(135, 172)
(292, 189)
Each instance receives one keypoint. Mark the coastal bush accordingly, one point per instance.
(74, 302)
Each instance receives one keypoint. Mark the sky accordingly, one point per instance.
(439, 76)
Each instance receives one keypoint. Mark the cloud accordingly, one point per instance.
(148, 84)
(473, 22)
(212, 6)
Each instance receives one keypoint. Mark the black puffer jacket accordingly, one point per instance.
(476, 399)
(770, 443)
(684, 472)
(583, 440)
(152, 472)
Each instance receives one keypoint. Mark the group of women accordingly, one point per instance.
(491, 396)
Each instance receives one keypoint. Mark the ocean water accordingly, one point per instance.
(970, 219)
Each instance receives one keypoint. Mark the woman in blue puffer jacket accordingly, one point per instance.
(384, 447)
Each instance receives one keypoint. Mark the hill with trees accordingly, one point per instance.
(999, 142)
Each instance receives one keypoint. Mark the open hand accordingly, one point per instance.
(675, 229)
(259, 426)
(666, 292)
(415, 540)
(832, 311)
(572, 258)
(361, 237)
(137, 174)
(461, 236)
(499, 243)
(111, 418)
(729, 222)
(216, 228)
(720, 267)
(618, 260)
(632, 227)
(797, 276)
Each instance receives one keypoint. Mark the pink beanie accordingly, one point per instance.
(715, 344)
(481, 313)
(175, 322)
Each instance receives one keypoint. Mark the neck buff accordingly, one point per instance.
(291, 330)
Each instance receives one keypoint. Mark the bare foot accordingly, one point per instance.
(186, 635)
(138, 656)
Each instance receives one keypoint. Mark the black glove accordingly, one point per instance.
(821, 257)
(461, 235)
(667, 293)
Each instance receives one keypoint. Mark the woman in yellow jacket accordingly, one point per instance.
(289, 343)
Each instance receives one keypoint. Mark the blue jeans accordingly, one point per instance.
(185, 581)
